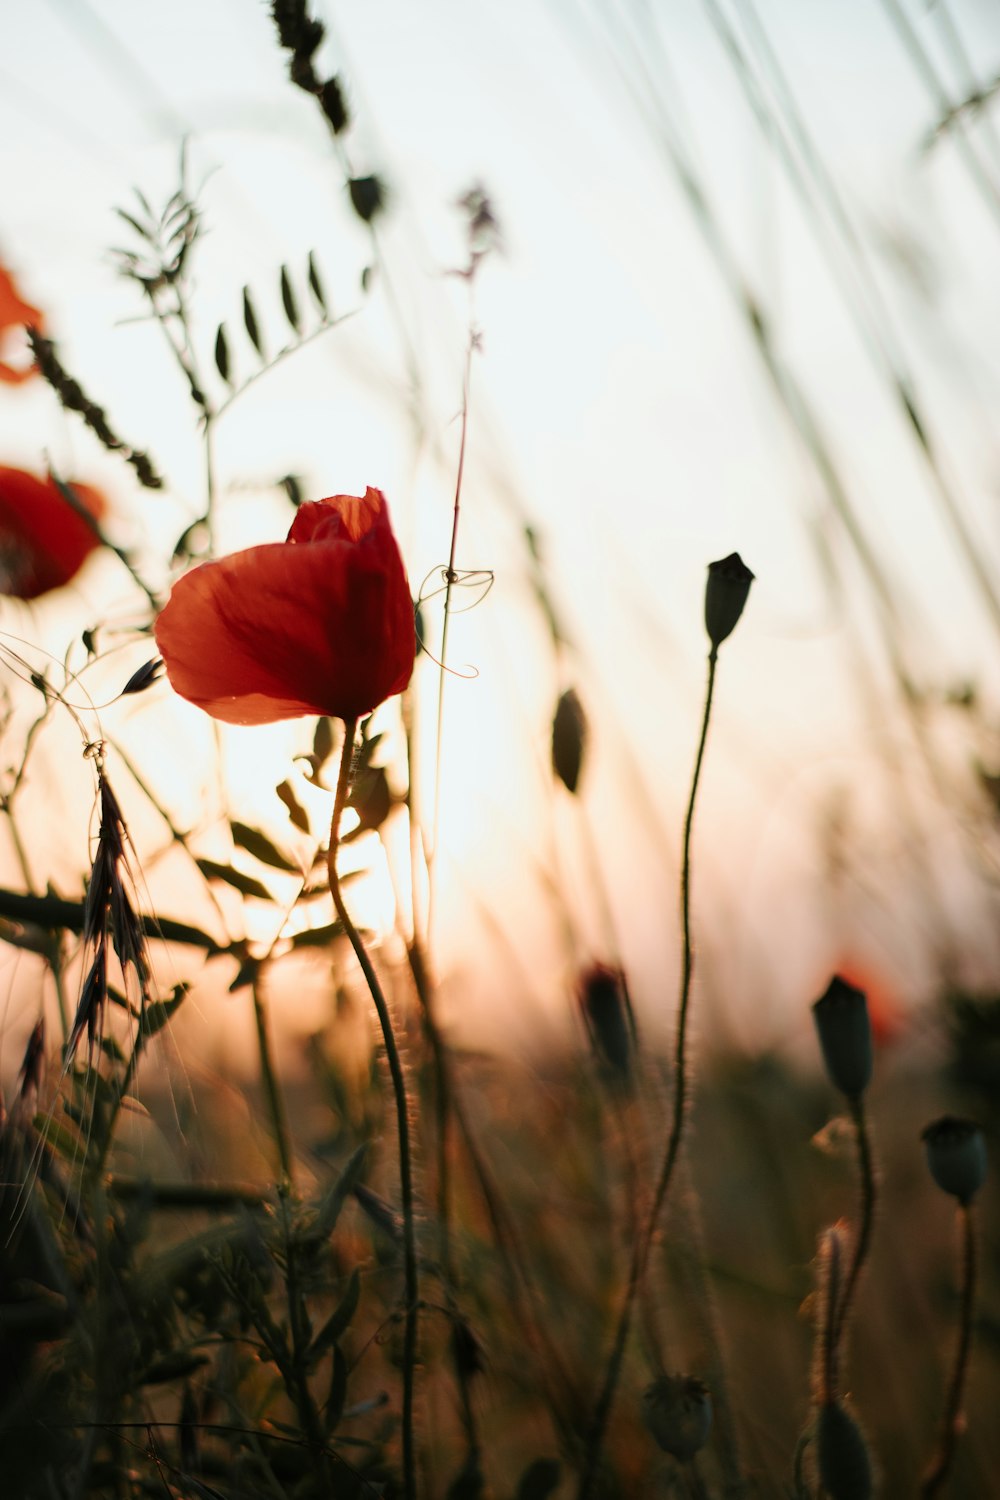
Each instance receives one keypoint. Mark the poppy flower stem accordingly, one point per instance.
(951, 1425)
(402, 1113)
(863, 1234)
(644, 1239)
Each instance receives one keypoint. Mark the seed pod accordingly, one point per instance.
(677, 1409)
(569, 739)
(845, 1036)
(604, 1003)
(367, 197)
(726, 593)
(956, 1156)
(845, 1468)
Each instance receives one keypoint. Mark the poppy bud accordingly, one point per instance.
(569, 739)
(726, 593)
(956, 1156)
(604, 1005)
(845, 1036)
(845, 1468)
(367, 197)
(677, 1409)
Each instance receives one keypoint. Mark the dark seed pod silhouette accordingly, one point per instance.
(569, 739)
(367, 197)
(845, 1468)
(677, 1409)
(956, 1156)
(845, 1036)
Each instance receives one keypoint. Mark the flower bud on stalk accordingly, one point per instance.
(956, 1156)
(726, 593)
(845, 1037)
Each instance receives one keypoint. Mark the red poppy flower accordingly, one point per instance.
(43, 540)
(15, 312)
(319, 624)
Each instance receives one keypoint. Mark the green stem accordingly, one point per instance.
(951, 1423)
(862, 1243)
(644, 1241)
(402, 1115)
(272, 1090)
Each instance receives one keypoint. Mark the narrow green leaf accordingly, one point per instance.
(222, 354)
(140, 229)
(316, 286)
(156, 1015)
(250, 320)
(338, 1390)
(245, 884)
(341, 1190)
(260, 846)
(296, 812)
(288, 301)
(339, 1320)
(317, 937)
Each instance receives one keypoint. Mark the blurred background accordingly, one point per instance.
(740, 293)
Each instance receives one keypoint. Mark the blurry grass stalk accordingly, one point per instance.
(402, 1114)
(269, 1078)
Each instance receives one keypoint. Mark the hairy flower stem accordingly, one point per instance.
(644, 1239)
(402, 1115)
(863, 1237)
(951, 1422)
(450, 579)
(272, 1089)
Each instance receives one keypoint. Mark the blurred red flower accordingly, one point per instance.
(43, 540)
(321, 623)
(14, 313)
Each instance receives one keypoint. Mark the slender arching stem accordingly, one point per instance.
(863, 1235)
(644, 1239)
(402, 1115)
(951, 1422)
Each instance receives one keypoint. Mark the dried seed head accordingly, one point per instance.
(956, 1156)
(726, 593)
(677, 1409)
(845, 1468)
(845, 1036)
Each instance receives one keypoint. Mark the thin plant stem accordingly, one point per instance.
(272, 1089)
(450, 579)
(644, 1241)
(951, 1422)
(402, 1114)
(863, 1237)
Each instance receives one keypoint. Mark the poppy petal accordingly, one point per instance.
(319, 624)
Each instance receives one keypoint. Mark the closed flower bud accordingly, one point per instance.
(569, 739)
(726, 593)
(956, 1156)
(606, 1015)
(677, 1409)
(845, 1036)
(845, 1467)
